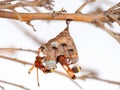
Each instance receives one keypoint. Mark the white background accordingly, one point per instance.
(97, 50)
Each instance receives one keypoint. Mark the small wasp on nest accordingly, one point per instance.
(60, 49)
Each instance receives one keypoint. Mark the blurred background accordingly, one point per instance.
(97, 50)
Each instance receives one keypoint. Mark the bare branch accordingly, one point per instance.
(93, 75)
(113, 13)
(116, 36)
(83, 5)
(13, 84)
(27, 33)
(19, 49)
(90, 75)
(104, 80)
(16, 60)
(48, 4)
(2, 87)
(114, 7)
(106, 16)
(49, 16)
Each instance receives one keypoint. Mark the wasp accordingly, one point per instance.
(60, 49)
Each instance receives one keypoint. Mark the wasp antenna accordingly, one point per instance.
(29, 71)
(38, 78)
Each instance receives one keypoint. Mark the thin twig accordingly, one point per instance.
(48, 4)
(105, 80)
(2, 87)
(19, 49)
(27, 33)
(113, 13)
(91, 75)
(13, 84)
(83, 5)
(113, 7)
(114, 35)
(114, 19)
(100, 24)
(88, 76)
(16, 60)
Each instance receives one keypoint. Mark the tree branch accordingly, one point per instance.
(83, 5)
(48, 4)
(105, 80)
(32, 37)
(16, 60)
(116, 36)
(18, 49)
(13, 84)
(90, 75)
(2, 87)
(49, 16)
(111, 15)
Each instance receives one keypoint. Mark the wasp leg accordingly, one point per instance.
(63, 61)
(29, 71)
